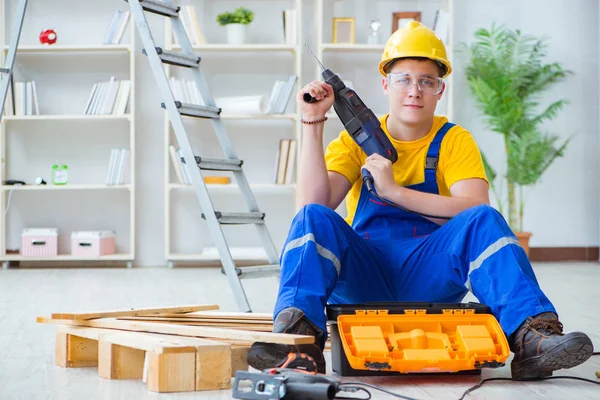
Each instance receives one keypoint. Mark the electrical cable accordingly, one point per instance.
(355, 386)
(368, 181)
(473, 388)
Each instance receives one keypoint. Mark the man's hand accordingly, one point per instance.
(383, 175)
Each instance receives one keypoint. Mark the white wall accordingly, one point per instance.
(562, 210)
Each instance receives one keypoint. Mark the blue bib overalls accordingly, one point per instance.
(392, 255)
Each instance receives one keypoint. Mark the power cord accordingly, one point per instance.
(358, 386)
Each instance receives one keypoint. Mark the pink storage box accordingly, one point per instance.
(39, 242)
(92, 243)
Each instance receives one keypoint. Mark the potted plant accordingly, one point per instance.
(236, 23)
(507, 74)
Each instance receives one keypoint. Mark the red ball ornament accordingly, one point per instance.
(48, 36)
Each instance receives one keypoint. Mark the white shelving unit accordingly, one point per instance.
(80, 34)
(222, 72)
(358, 61)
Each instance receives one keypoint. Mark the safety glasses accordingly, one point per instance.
(403, 81)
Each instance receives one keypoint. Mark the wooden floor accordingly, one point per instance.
(27, 369)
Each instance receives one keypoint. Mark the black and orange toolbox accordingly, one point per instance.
(402, 338)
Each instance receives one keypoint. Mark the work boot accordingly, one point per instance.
(540, 347)
(273, 355)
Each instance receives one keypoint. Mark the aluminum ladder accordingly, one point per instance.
(175, 110)
(6, 72)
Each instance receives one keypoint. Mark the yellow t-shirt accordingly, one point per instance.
(459, 159)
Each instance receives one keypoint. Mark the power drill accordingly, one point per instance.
(281, 383)
(360, 122)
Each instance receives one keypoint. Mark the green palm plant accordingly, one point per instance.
(507, 75)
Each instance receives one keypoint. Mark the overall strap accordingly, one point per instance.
(433, 152)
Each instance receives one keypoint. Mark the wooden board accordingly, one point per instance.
(222, 315)
(184, 330)
(188, 319)
(133, 312)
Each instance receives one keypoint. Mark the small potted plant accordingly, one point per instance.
(236, 23)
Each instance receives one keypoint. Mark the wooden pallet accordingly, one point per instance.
(164, 352)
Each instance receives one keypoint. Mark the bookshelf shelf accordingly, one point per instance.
(57, 48)
(292, 117)
(65, 74)
(68, 257)
(258, 187)
(352, 47)
(66, 187)
(245, 47)
(211, 254)
(57, 117)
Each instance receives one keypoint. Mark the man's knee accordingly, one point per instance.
(317, 212)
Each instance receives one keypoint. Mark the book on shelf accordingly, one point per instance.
(110, 97)
(285, 162)
(180, 172)
(116, 29)
(281, 94)
(22, 99)
(117, 166)
(441, 24)
(190, 25)
(185, 91)
(290, 28)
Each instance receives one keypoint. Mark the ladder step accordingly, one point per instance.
(230, 218)
(160, 8)
(193, 110)
(176, 58)
(218, 164)
(5, 70)
(260, 271)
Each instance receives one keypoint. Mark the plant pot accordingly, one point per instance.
(524, 240)
(236, 33)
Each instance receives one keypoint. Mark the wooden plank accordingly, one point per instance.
(189, 319)
(175, 372)
(75, 351)
(184, 330)
(223, 315)
(119, 362)
(134, 312)
(239, 359)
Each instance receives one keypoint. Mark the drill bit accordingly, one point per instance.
(311, 52)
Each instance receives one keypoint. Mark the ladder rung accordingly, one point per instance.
(176, 58)
(5, 70)
(160, 8)
(218, 164)
(230, 218)
(260, 271)
(193, 110)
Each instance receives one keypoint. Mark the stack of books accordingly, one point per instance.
(191, 26)
(185, 91)
(285, 164)
(117, 166)
(116, 29)
(281, 94)
(25, 101)
(110, 97)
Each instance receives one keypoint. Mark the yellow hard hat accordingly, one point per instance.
(414, 40)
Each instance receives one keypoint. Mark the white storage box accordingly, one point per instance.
(39, 242)
(92, 243)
